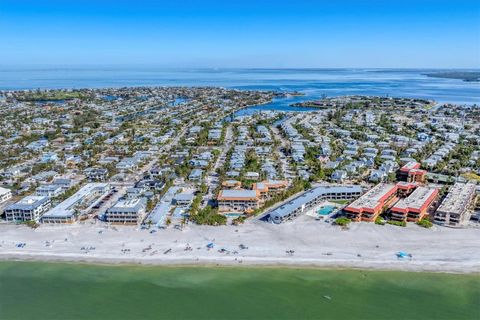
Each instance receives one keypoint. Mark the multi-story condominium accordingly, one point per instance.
(311, 199)
(238, 200)
(78, 204)
(28, 208)
(49, 190)
(369, 206)
(183, 199)
(5, 194)
(454, 210)
(411, 172)
(269, 188)
(415, 206)
(131, 211)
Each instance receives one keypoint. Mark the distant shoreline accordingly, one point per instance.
(459, 75)
(313, 82)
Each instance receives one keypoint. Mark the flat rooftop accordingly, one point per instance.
(312, 194)
(375, 196)
(129, 205)
(410, 166)
(66, 208)
(418, 200)
(276, 183)
(458, 198)
(184, 197)
(28, 203)
(238, 195)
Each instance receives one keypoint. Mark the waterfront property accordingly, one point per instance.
(414, 207)
(370, 205)
(131, 211)
(200, 146)
(454, 210)
(311, 199)
(27, 209)
(158, 216)
(238, 200)
(80, 203)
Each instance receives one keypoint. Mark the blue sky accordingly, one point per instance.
(244, 33)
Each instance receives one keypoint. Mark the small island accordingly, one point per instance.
(51, 95)
(467, 76)
(363, 101)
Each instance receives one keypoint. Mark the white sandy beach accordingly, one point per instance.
(315, 243)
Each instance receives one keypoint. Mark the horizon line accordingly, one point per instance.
(159, 66)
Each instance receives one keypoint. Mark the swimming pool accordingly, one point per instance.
(233, 215)
(326, 210)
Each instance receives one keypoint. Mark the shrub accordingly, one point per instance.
(209, 216)
(425, 223)
(342, 221)
(238, 220)
(380, 221)
(397, 223)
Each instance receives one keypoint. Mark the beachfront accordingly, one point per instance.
(302, 243)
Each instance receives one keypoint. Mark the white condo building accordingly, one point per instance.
(28, 208)
(5, 194)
